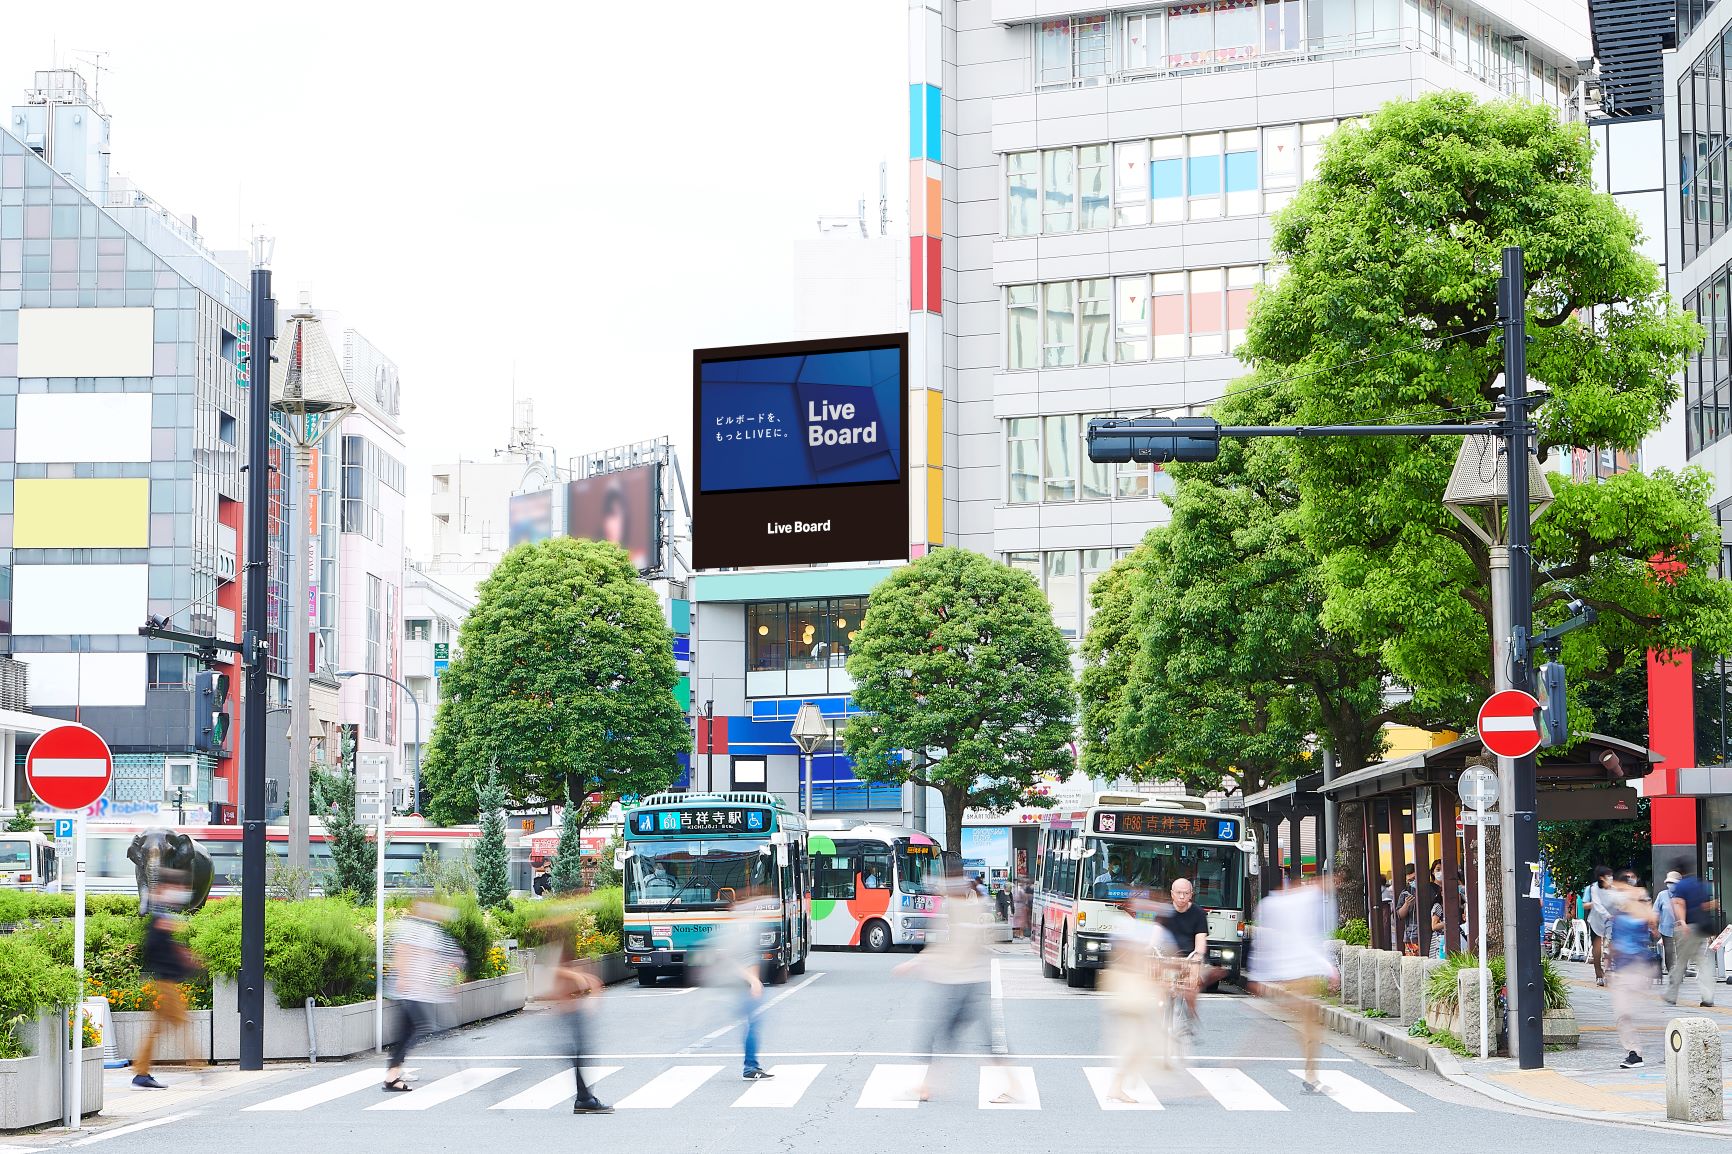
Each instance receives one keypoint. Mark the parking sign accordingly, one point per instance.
(62, 829)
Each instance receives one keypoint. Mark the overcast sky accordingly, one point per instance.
(507, 189)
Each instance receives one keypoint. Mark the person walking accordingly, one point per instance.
(1630, 920)
(1597, 902)
(574, 990)
(1021, 901)
(1289, 964)
(1139, 1024)
(1693, 907)
(738, 961)
(425, 967)
(168, 963)
(1667, 923)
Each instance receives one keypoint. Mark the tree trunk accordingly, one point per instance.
(1349, 865)
(955, 801)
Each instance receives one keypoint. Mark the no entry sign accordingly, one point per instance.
(69, 767)
(1507, 724)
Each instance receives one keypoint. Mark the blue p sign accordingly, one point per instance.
(62, 829)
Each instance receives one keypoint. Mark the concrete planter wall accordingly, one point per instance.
(31, 1089)
(1560, 1029)
(189, 1043)
(610, 968)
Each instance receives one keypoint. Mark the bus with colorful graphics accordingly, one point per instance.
(873, 886)
(692, 861)
(1132, 845)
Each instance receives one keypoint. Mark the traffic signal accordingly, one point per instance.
(1554, 714)
(1116, 440)
(211, 705)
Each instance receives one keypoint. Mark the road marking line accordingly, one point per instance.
(997, 981)
(1235, 1090)
(668, 1088)
(1286, 1060)
(1101, 1081)
(449, 1087)
(731, 1026)
(1354, 1094)
(122, 1131)
(1015, 1082)
(891, 1087)
(323, 1092)
(552, 1091)
(783, 1090)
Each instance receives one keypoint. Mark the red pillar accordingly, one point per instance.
(1671, 734)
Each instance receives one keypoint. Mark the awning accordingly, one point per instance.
(1595, 760)
(1293, 799)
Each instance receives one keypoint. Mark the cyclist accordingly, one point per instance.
(1187, 924)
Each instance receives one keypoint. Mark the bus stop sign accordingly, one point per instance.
(69, 767)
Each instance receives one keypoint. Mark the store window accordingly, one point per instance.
(801, 647)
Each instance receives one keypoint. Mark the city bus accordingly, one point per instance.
(1128, 845)
(693, 860)
(872, 885)
(28, 861)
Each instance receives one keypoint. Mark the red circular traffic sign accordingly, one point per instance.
(1508, 725)
(69, 767)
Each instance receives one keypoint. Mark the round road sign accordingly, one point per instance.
(1477, 787)
(1507, 723)
(69, 767)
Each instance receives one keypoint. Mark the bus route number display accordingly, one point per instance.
(697, 821)
(1167, 825)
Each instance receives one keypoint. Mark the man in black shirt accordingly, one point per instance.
(1188, 923)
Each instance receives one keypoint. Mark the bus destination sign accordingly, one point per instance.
(687, 822)
(1120, 821)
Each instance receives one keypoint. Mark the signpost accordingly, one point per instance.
(1508, 724)
(1478, 788)
(69, 767)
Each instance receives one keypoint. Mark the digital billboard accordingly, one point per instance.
(531, 517)
(622, 507)
(801, 453)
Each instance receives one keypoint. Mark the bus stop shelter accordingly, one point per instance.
(1290, 804)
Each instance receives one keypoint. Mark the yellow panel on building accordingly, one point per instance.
(81, 513)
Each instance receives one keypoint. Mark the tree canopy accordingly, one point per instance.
(966, 685)
(565, 681)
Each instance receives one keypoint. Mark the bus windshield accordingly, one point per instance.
(1117, 868)
(694, 873)
(917, 865)
(14, 854)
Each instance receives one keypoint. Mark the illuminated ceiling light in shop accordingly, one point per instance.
(763, 631)
(841, 623)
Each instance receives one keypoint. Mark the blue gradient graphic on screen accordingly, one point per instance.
(786, 422)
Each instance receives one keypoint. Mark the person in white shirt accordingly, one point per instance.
(1288, 962)
(426, 966)
(1601, 902)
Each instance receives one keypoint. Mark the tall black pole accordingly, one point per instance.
(1527, 1005)
(258, 570)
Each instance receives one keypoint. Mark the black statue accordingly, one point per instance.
(158, 850)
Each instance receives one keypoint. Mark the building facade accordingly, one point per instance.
(432, 617)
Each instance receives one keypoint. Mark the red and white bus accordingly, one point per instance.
(1128, 845)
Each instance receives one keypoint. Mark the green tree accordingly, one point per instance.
(23, 819)
(1386, 311)
(1110, 652)
(567, 872)
(965, 684)
(565, 680)
(354, 855)
(492, 864)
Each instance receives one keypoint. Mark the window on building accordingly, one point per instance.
(418, 629)
(1064, 591)
(1059, 341)
(766, 636)
(226, 428)
(1131, 183)
(1022, 456)
(373, 718)
(1144, 43)
(1094, 563)
(1060, 453)
(1097, 479)
(1058, 189)
(1077, 50)
(1708, 369)
(172, 670)
(1023, 328)
(1094, 198)
(1095, 309)
(1022, 217)
(1070, 474)
(1132, 343)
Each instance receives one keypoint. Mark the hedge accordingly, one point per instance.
(19, 906)
(30, 983)
(313, 949)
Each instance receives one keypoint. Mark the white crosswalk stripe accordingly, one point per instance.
(1235, 1089)
(1356, 1095)
(554, 1091)
(1101, 1082)
(891, 1087)
(444, 1090)
(668, 1088)
(323, 1092)
(781, 1091)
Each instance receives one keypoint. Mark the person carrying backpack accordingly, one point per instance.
(1696, 911)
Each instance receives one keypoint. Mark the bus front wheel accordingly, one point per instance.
(779, 974)
(1047, 969)
(798, 967)
(1076, 979)
(875, 938)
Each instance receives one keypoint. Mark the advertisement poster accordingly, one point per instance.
(531, 517)
(986, 852)
(801, 453)
(623, 508)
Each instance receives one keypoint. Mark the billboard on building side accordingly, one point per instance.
(801, 453)
(622, 507)
(531, 517)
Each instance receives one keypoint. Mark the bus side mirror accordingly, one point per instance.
(619, 858)
(782, 854)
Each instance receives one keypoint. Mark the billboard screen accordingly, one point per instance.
(801, 453)
(531, 517)
(622, 507)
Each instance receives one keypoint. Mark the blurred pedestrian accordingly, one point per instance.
(168, 964)
(737, 960)
(1666, 925)
(1138, 991)
(1020, 903)
(1597, 902)
(1407, 913)
(1693, 906)
(1288, 963)
(1630, 918)
(574, 990)
(426, 965)
(960, 973)
(1001, 898)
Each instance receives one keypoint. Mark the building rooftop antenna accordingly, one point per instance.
(93, 57)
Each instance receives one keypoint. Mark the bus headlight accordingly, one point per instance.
(637, 941)
(767, 939)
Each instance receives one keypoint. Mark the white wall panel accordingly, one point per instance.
(96, 599)
(106, 342)
(80, 427)
(86, 678)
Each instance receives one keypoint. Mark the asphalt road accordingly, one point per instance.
(843, 1039)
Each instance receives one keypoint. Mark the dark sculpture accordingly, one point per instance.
(157, 851)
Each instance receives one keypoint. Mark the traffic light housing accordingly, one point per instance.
(1117, 440)
(1554, 713)
(210, 702)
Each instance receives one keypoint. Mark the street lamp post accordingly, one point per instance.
(809, 733)
(379, 865)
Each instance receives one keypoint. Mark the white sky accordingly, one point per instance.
(509, 187)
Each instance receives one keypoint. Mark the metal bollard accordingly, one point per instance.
(1693, 1081)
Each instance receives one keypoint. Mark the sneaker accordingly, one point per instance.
(146, 1082)
(1633, 1062)
(756, 1074)
(1670, 1001)
(591, 1106)
(1309, 1087)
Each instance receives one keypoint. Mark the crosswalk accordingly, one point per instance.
(887, 1086)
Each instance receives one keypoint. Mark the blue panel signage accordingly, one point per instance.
(62, 829)
(693, 822)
